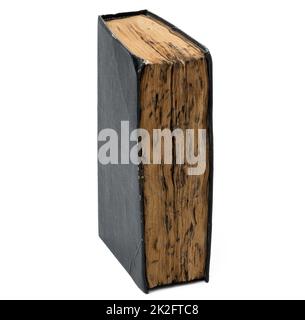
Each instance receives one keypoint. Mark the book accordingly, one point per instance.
(155, 149)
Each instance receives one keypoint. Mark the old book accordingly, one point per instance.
(154, 215)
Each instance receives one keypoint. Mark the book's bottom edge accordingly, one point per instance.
(179, 283)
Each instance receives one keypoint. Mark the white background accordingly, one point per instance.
(49, 247)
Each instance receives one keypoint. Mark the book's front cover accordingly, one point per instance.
(120, 209)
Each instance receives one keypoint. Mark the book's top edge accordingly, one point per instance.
(121, 15)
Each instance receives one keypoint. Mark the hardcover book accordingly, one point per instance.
(155, 196)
